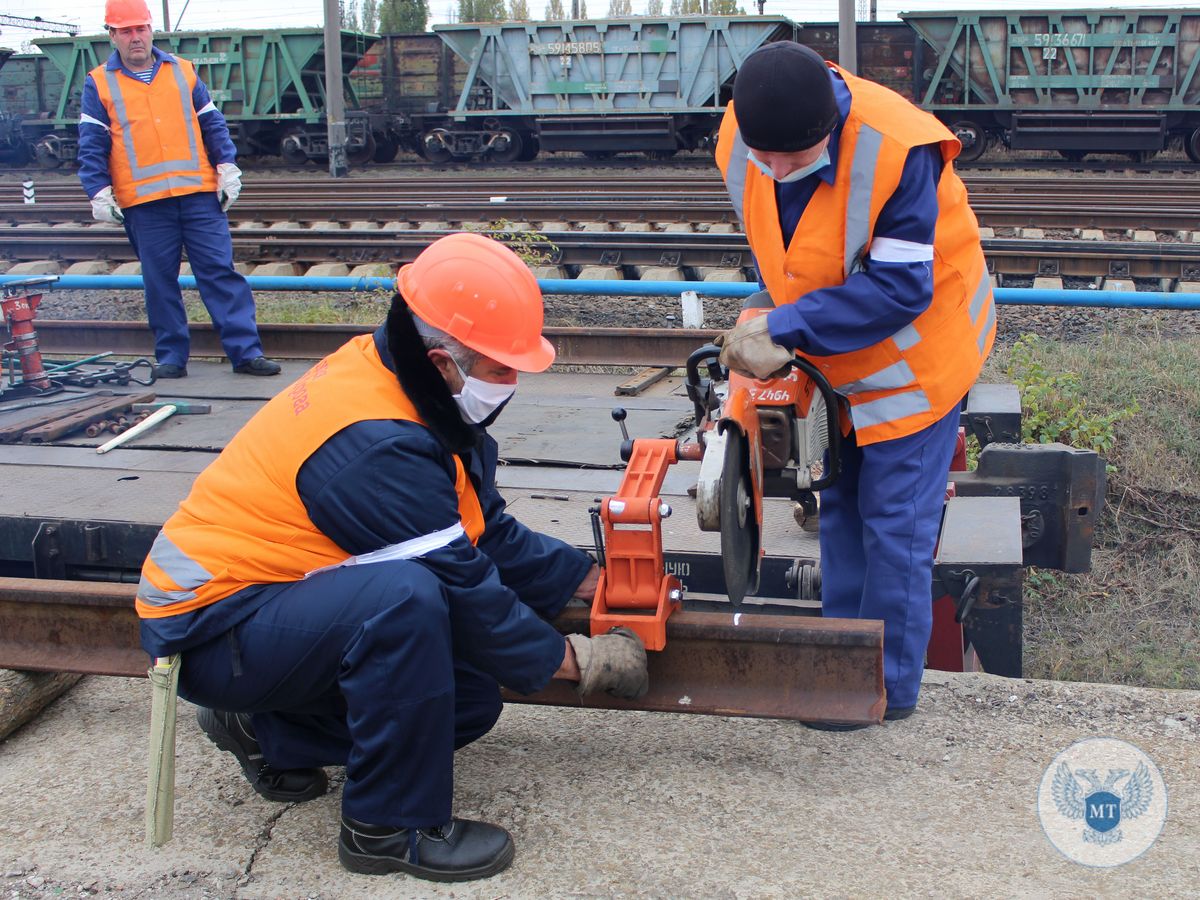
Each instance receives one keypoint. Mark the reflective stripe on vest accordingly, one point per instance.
(182, 569)
(169, 170)
(735, 177)
(858, 204)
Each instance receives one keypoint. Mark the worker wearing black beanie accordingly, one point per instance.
(869, 255)
(783, 98)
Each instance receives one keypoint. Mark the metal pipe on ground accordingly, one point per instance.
(1004, 296)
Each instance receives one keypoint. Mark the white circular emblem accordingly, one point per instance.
(1102, 802)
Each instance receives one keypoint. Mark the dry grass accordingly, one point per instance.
(1135, 619)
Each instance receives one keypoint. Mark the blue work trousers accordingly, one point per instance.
(354, 667)
(159, 230)
(879, 528)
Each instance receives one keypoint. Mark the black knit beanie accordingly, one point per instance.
(783, 98)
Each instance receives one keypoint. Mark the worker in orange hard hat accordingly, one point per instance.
(345, 587)
(155, 156)
(126, 13)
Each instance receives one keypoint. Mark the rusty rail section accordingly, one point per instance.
(574, 346)
(714, 663)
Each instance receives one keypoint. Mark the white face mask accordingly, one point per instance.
(815, 166)
(478, 398)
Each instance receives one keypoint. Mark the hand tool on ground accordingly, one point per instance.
(53, 424)
(182, 408)
(160, 783)
(19, 302)
(140, 428)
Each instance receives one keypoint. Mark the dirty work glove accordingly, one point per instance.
(105, 208)
(613, 662)
(229, 184)
(748, 350)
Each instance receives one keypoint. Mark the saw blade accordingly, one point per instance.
(739, 525)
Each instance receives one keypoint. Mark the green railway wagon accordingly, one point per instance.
(1075, 81)
(269, 85)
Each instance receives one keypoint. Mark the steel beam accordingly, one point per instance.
(715, 663)
(574, 346)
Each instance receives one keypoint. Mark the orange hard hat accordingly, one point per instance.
(481, 294)
(126, 13)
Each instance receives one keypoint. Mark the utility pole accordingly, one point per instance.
(847, 37)
(335, 96)
(166, 16)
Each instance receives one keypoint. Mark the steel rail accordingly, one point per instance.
(666, 182)
(997, 211)
(786, 667)
(574, 346)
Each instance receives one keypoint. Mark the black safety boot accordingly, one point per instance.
(460, 850)
(891, 715)
(260, 365)
(232, 732)
(169, 370)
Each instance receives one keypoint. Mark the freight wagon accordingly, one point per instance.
(506, 91)
(269, 85)
(29, 84)
(1090, 80)
(1076, 82)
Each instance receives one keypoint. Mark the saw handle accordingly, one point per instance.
(832, 420)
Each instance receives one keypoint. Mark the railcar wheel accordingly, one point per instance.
(386, 149)
(1191, 146)
(433, 149)
(507, 148)
(291, 148)
(45, 153)
(363, 154)
(973, 138)
(530, 151)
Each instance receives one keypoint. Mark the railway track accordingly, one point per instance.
(626, 254)
(687, 197)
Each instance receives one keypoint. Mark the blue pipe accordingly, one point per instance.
(1004, 296)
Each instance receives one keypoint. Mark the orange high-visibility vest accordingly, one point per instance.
(244, 522)
(915, 377)
(157, 148)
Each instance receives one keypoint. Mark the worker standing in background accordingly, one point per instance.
(155, 156)
(346, 588)
(873, 270)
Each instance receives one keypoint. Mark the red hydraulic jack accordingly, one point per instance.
(634, 589)
(19, 302)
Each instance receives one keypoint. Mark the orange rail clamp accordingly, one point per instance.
(634, 588)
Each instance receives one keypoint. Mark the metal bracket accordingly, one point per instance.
(48, 560)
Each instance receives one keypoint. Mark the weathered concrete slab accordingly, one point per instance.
(608, 804)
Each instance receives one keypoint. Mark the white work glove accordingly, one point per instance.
(614, 663)
(748, 350)
(105, 209)
(229, 184)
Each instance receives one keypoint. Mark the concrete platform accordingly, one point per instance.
(600, 803)
(618, 804)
